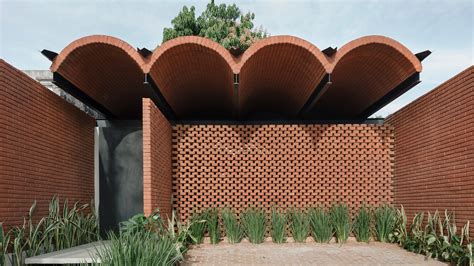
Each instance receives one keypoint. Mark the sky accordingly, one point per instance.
(444, 27)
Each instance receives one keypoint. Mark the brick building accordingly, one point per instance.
(189, 125)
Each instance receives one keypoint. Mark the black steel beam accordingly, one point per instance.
(159, 99)
(322, 87)
(49, 54)
(403, 87)
(235, 98)
(144, 52)
(377, 121)
(422, 55)
(329, 51)
(77, 93)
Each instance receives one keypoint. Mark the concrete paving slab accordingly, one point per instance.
(75, 255)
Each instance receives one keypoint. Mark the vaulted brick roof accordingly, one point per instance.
(195, 76)
(108, 70)
(362, 72)
(277, 77)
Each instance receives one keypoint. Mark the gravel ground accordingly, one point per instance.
(309, 253)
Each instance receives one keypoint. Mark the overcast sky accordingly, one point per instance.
(444, 27)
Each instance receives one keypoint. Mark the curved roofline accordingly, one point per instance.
(184, 40)
(284, 39)
(97, 39)
(235, 63)
(378, 39)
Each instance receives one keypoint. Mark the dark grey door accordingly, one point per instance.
(120, 175)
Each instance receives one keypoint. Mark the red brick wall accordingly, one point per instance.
(46, 147)
(284, 165)
(156, 160)
(434, 150)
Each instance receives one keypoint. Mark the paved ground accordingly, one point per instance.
(75, 255)
(310, 253)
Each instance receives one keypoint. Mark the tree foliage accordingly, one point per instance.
(224, 24)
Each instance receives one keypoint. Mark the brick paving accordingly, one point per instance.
(351, 253)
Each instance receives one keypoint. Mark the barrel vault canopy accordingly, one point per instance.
(281, 77)
(277, 76)
(363, 72)
(107, 70)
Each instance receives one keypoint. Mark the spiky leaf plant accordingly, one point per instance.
(341, 222)
(4, 241)
(299, 225)
(198, 226)
(362, 225)
(400, 234)
(254, 224)
(385, 217)
(278, 224)
(213, 228)
(233, 229)
(139, 248)
(321, 227)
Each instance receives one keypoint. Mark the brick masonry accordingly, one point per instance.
(434, 150)
(46, 147)
(284, 165)
(156, 160)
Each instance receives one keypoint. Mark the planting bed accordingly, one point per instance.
(309, 253)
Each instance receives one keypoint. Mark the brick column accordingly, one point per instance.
(157, 173)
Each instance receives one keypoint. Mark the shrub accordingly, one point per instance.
(341, 222)
(139, 248)
(320, 225)
(254, 223)
(278, 226)
(299, 225)
(213, 228)
(362, 225)
(385, 218)
(4, 240)
(399, 234)
(140, 222)
(198, 227)
(438, 239)
(232, 226)
(62, 228)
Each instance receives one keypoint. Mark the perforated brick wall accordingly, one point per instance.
(282, 165)
(434, 150)
(46, 148)
(156, 160)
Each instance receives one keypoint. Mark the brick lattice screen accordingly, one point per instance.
(284, 165)
(46, 148)
(434, 150)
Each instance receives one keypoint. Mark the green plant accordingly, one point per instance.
(234, 231)
(213, 228)
(254, 223)
(140, 222)
(142, 247)
(385, 217)
(341, 222)
(179, 232)
(320, 225)
(362, 225)
(278, 220)
(198, 226)
(224, 24)
(299, 225)
(399, 234)
(62, 228)
(436, 238)
(4, 242)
